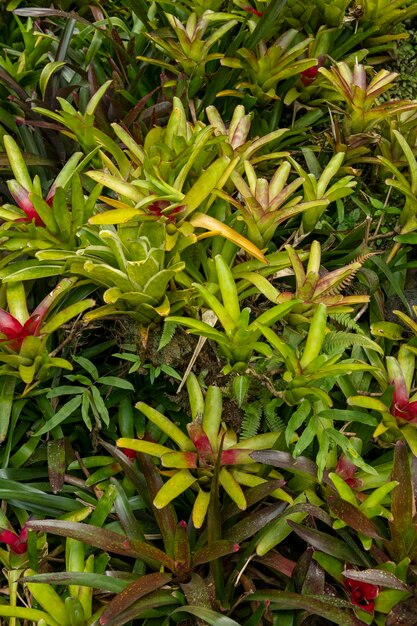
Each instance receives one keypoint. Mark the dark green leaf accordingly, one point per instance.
(326, 543)
(97, 581)
(325, 606)
(64, 412)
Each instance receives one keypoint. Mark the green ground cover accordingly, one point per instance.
(208, 313)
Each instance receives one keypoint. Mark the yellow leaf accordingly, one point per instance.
(200, 508)
(215, 227)
(232, 488)
(175, 486)
(139, 445)
(117, 216)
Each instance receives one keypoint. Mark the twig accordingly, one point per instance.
(265, 382)
(68, 338)
(383, 235)
(361, 311)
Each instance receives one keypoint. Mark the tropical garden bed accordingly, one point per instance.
(208, 310)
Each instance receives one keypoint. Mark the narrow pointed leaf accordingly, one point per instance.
(353, 517)
(174, 487)
(324, 606)
(136, 590)
(106, 540)
(215, 550)
(327, 543)
(377, 577)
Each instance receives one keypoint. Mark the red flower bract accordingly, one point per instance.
(157, 208)
(347, 470)
(21, 196)
(18, 543)
(14, 331)
(250, 9)
(309, 75)
(131, 454)
(400, 407)
(362, 594)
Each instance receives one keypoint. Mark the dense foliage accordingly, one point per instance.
(208, 313)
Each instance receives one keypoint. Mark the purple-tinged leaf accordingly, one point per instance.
(301, 569)
(208, 615)
(253, 522)
(106, 540)
(285, 460)
(215, 551)
(402, 504)
(196, 591)
(129, 522)
(376, 577)
(308, 576)
(182, 554)
(140, 588)
(56, 463)
(314, 582)
(327, 543)
(277, 562)
(314, 511)
(166, 517)
(353, 517)
(403, 613)
(151, 602)
(133, 475)
(327, 607)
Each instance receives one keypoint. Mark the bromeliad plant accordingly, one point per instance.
(23, 346)
(268, 66)
(313, 289)
(375, 578)
(166, 579)
(172, 178)
(239, 339)
(202, 217)
(39, 223)
(187, 46)
(132, 264)
(322, 189)
(211, 451)
(169, 168)
(236, 140)
(362, 113)
(266, 205)
(399, 417)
